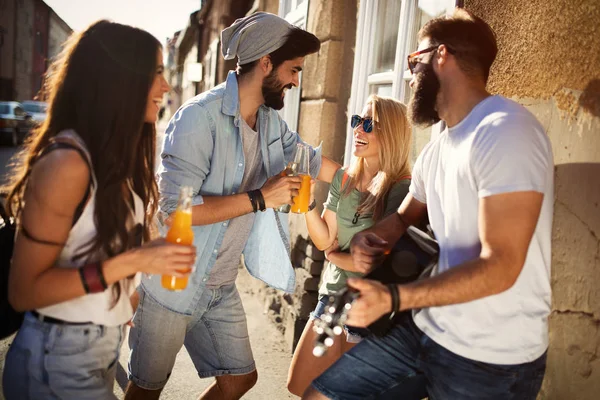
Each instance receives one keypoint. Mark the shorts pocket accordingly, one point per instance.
(71, 340)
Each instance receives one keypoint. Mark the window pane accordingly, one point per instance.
(381, 89)
(386, 35)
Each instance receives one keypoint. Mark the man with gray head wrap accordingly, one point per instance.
(229, 144)
(252, 37)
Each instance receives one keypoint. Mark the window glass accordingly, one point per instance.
(381, 89)
(386, 35)
(19, 112)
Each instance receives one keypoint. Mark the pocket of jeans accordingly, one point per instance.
(71, 340)
(16, 373)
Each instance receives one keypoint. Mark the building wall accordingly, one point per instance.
(23, 49)
(547, 62)
(58, 35)
(41, 29)
(7, 46)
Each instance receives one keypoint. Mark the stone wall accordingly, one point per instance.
(546, 62)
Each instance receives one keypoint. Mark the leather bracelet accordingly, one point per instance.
(92, 278)
(261, 200)
(394, 292)
(312, 205)
(253, 200)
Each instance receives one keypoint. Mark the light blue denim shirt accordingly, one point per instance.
(203, 149)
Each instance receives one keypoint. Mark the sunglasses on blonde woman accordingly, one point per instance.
(367, 123)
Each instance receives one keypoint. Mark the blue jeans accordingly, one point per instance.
(51, 361)
(406, 364)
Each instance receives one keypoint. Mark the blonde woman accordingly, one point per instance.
(372, 187)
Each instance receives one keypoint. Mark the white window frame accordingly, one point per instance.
(365, 46)
(297, 16)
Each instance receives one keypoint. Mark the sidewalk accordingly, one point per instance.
(270, 352)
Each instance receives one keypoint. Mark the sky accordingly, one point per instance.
(162, 18)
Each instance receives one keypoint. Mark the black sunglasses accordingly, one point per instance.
(367, 123)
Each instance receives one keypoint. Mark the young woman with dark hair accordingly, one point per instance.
(83, 212)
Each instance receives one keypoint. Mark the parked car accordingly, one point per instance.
(15, 123)
(37, 110)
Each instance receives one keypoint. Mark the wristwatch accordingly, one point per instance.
(312, 205)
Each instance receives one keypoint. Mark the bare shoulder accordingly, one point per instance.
(59, 179)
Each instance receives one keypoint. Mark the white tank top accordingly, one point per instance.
(99, 308)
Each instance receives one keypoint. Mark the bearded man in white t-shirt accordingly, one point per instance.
(479, 325)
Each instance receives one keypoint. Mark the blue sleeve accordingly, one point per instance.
(186, 155)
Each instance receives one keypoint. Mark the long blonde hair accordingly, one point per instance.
(394, 134)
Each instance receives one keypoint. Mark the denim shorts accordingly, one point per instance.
(407, 364)
(52, 361)
(215, 336)
(353, 335)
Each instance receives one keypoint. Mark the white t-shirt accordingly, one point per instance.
(499, 147)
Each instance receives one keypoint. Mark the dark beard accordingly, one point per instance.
(272, 91)
(421, 108)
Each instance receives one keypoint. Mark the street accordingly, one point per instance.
(271, 353)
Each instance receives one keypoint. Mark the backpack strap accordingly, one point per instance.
(344, 179)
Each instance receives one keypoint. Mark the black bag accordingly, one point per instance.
(413, 257)
(11, 320)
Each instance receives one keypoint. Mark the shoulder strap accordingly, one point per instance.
(344, 179)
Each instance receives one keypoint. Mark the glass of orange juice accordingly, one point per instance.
(180, 233)
(302, 201)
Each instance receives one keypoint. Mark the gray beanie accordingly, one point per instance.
(252, 37)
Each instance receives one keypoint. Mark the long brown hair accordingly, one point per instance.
(99, 87)
(393, 131)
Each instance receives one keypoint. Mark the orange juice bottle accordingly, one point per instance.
(180, 233)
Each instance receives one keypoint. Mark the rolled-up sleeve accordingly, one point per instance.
(290, 139)
(186, 155)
